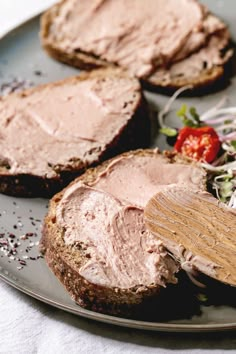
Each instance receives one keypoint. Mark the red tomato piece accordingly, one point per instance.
(201, 144)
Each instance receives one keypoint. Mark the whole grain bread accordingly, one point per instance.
(66, 260)
(183, 72)
(133, 132)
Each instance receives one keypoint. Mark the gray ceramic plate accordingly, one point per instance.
(22, 57)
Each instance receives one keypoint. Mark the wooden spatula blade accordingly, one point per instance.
(199, 230)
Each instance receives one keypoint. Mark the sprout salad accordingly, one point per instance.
(222, 121)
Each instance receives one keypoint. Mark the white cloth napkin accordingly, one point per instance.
(15, 12)
(28, 326)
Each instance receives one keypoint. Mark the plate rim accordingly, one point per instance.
(121, 321)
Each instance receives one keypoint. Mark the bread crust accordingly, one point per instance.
(135, 134)
(65, 260)
(79, 59)
(199, 84)
(218, 74)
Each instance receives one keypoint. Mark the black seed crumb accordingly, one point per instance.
(29, 234)
(14, 85)
(22, 262)
(38, 73)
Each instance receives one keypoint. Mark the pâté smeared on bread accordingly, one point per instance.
(51, 133)
(94, 236)
(165, 43)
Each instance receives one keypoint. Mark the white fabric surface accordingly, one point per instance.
(14, 12)
(28, 326)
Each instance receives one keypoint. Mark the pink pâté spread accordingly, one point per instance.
(138, 35)
(205, 58)
(122, 253)
(135, 179)
(55, 124)
(107, 217)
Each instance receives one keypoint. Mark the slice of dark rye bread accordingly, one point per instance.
(200, 69)
(30, 121)
(68, 260)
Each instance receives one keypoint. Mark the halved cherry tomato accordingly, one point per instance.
(202, 144)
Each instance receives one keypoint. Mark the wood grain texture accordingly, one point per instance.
(198, 229)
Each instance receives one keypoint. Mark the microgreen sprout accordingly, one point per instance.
(222, 171)
(191, 119)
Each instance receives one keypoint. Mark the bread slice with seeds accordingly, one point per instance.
(52, 133)
(178, 52)
(94, 236)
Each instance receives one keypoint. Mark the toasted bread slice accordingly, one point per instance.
(198, 59)
(94, 238)
(51, 133)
